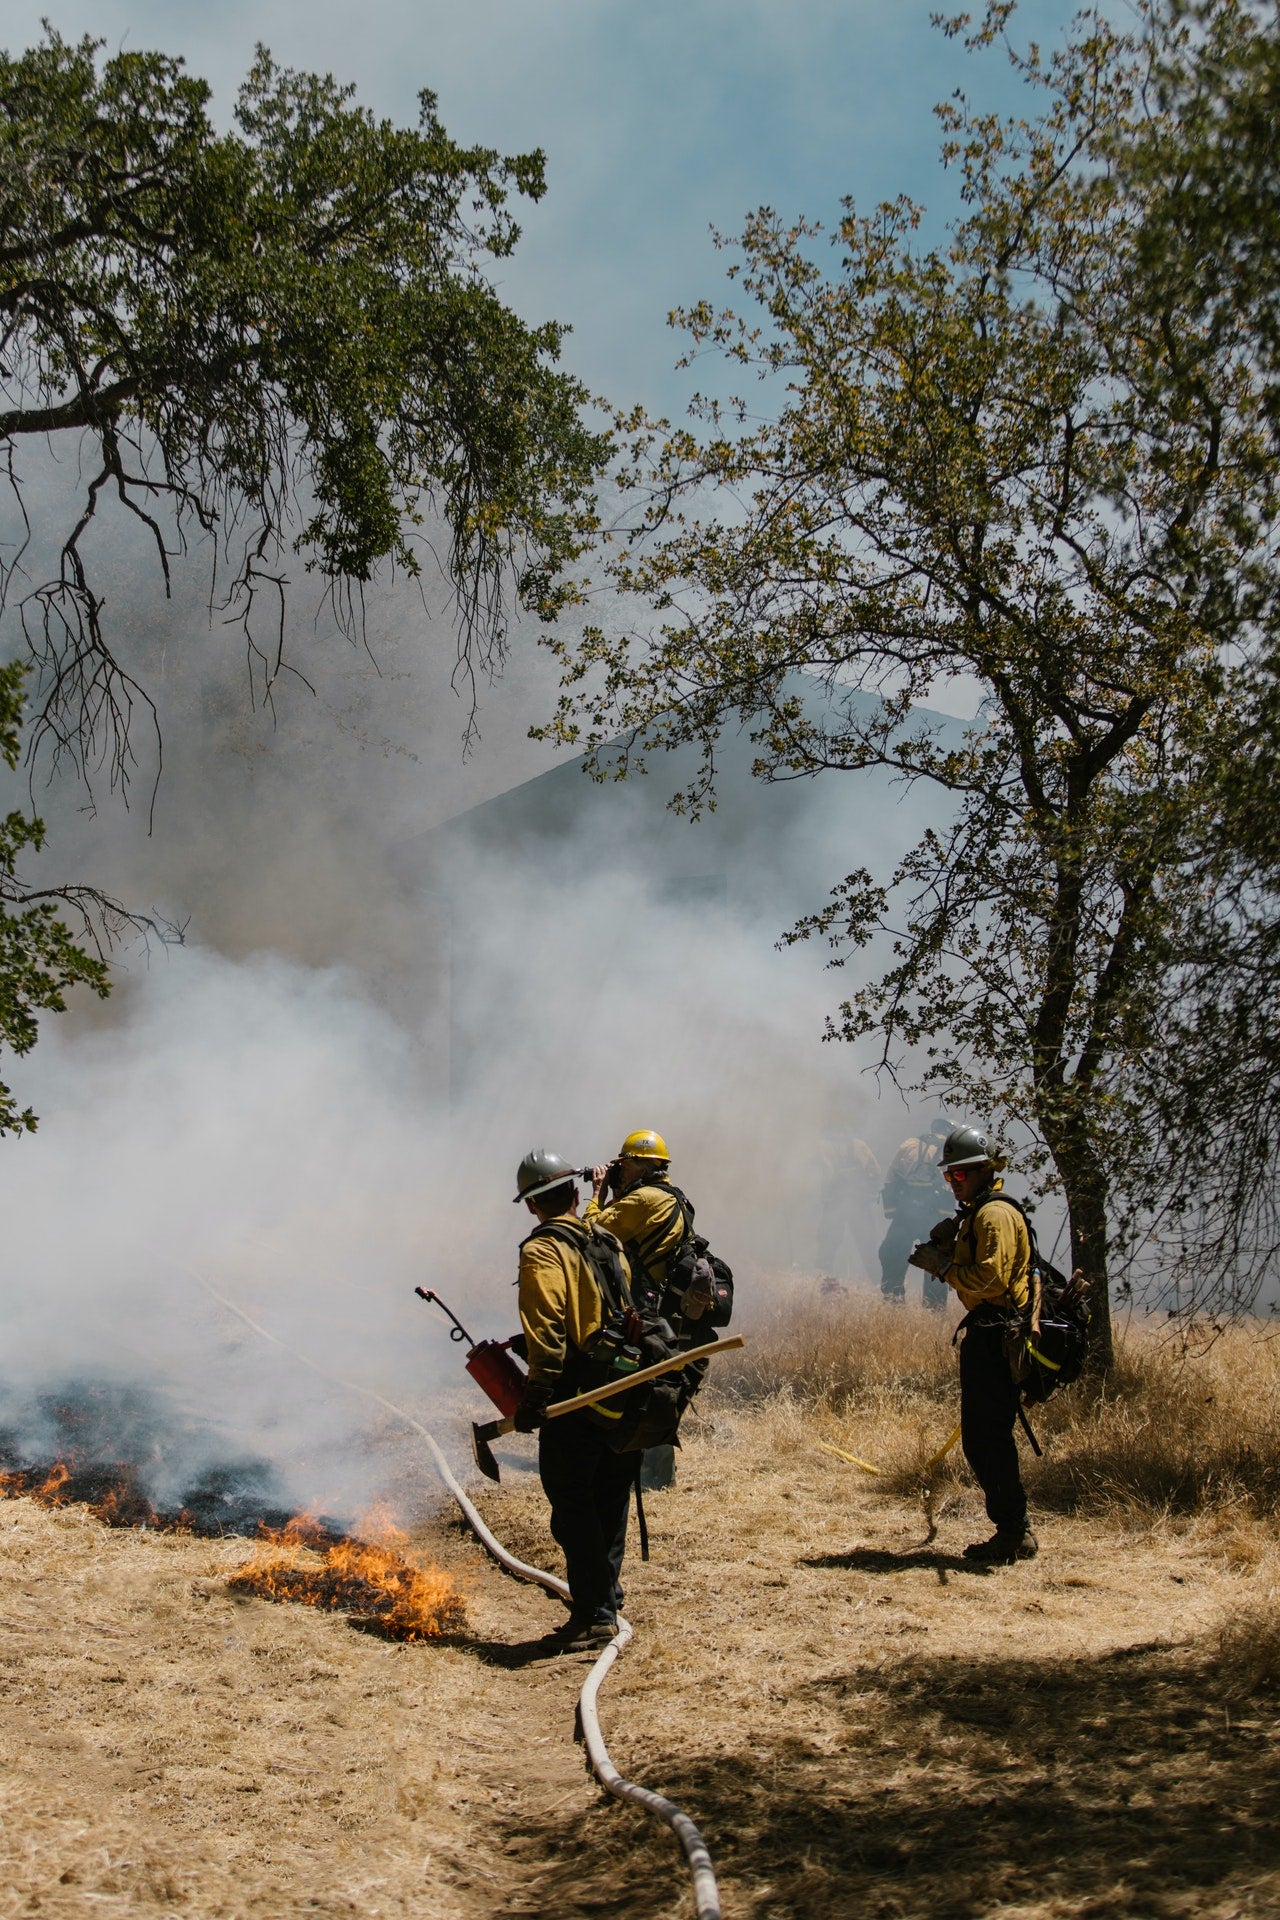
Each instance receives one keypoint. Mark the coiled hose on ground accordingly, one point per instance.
(706, 1893)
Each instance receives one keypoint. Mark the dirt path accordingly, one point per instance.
(859, 1723)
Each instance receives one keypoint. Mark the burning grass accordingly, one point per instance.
(115, 1493)
(103, 1446)
(373, 1581)
(112, 1494)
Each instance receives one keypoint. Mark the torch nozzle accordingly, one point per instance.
(457, 1331)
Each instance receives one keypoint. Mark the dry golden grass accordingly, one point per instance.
(174, 1749)
(1170, 1433)
(1249, 1645)
(862, 1723)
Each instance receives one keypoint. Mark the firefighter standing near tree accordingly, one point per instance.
(913, 1192)
(984, 1253)
(586, 1482)
(651, 1218)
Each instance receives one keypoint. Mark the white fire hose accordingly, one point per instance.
(706, 1893)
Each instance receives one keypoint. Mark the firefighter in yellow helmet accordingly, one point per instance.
(652, 1218)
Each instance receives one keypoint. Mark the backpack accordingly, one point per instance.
(1051, 1354)
(650, 1415)
(693, 1259)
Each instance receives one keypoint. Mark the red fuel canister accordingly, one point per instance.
(497, 1373)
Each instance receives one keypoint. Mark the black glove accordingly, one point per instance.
(533, 1404)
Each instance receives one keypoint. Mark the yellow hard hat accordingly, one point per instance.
(644, 1144)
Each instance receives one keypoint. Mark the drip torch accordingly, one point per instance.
(493, 1369)
(489, 1363)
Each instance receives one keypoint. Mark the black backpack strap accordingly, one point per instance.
(598, 1250)
(641, 1522)
(1036, 1448)
(639, 1252)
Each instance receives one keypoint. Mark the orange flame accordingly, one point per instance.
(399, 1597)
(111, 1494)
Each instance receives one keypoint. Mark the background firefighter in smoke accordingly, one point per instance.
(914, 1195)
(849, 1184)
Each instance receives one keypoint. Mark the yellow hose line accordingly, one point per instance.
(852, 1458)
(943, 1451)
(934, 1460)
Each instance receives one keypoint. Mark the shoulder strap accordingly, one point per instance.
(599, 1249)
(558, 1230)
(1007, 1199)
(641, 1250)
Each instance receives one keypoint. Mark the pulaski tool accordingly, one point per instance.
(483, 1436)
(490, 1365)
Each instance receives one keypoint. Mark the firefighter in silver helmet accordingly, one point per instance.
(587, 1484)
(984, 1254)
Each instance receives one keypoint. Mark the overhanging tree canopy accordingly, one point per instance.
(278, 340)
(280, 337)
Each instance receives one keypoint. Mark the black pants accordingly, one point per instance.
(988, 1411)
(894, 1249)
(904, 1229)
(589, 1487)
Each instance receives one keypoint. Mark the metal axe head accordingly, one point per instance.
(483, 1452)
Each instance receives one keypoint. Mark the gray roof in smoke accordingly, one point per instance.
(774, 847)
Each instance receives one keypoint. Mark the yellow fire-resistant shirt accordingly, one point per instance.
(560, 1304)
(991, 1263)
(634, 1216)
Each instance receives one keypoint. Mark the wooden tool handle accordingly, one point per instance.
(624, 1381)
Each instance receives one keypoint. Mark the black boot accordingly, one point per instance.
(1004, 1547)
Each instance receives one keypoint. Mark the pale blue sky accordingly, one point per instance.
(659, 120)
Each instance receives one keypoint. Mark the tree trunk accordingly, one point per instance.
(1087, 1210)
(1085, 1188)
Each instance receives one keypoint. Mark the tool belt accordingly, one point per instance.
(989, 1314)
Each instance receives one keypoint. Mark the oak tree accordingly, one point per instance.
(279, 342)
(1203, 165)
(40, 960)
(979, 461)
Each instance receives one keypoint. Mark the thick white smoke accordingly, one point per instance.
(320, 1101)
